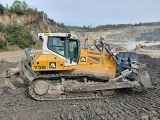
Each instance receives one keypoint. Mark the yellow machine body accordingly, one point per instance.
(89, 61)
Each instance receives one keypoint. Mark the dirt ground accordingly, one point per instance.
(125, 105)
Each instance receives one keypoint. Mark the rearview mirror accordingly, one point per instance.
(40, 38)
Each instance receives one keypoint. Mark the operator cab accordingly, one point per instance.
(62, 45)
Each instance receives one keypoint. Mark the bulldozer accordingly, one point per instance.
(70, 69)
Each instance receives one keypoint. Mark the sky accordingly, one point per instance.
(97, 12)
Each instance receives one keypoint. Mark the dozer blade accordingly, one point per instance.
(144, 77)
(12, 74)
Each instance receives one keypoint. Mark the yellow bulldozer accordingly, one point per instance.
(68, 69)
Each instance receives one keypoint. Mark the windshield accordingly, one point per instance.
(56, 44)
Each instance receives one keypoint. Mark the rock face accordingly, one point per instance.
(35, 22)
(13, 18)
(150, 36)
(137, 33)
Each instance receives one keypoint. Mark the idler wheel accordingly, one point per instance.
(41, 87)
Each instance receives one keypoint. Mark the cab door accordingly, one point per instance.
(72, 52)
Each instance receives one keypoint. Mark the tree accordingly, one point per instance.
(19, 7)
(61, 25)
(24, 5)
(1, 8)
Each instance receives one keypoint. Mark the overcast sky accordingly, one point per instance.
(97, 12)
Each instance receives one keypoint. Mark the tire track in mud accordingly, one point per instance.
(126, 105)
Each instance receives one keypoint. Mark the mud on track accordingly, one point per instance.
(126, 105)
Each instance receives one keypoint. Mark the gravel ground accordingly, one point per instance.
(125, 105)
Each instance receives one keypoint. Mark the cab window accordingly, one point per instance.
(56, 44)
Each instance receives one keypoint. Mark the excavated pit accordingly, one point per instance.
(126, 104)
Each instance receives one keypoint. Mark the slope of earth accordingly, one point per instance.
(125, 105)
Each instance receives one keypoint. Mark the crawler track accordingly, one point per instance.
(52, 79)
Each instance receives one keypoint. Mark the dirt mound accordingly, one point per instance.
(5, 64)
(127, 104)
(154, 47)
(121, 48)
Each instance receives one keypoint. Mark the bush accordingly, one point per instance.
(2, 43)
(30, 22)
(1, 8)
(2, 28)
(18, 35)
